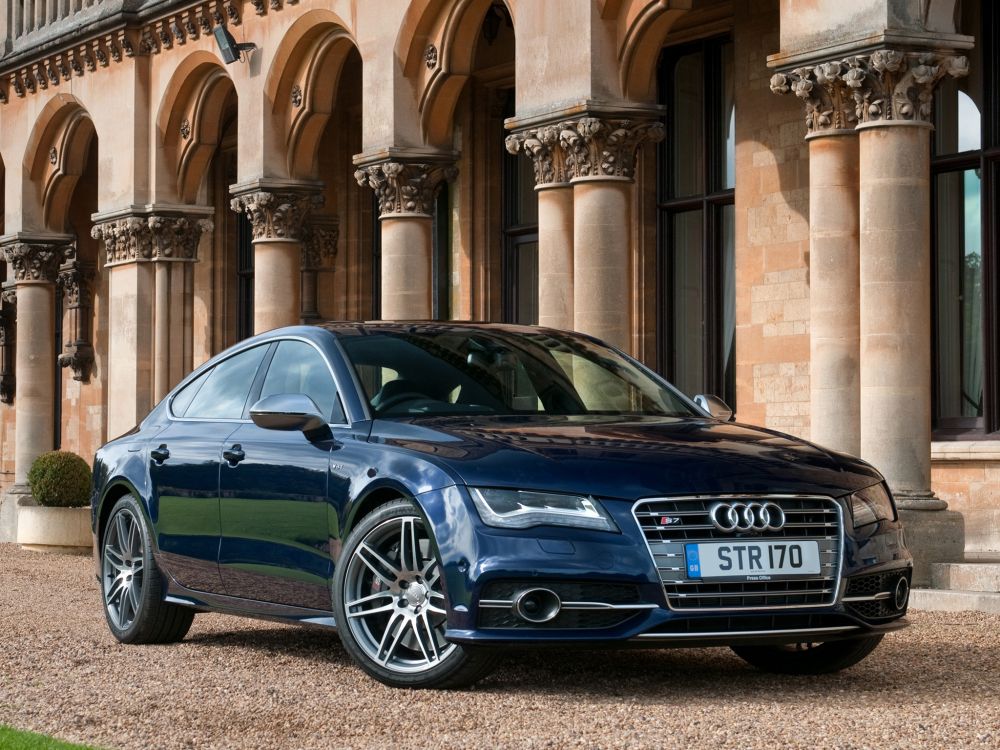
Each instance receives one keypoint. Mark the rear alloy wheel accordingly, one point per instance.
(390, 606)
(131, 584)
(809, 658)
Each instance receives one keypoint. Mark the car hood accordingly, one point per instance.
(626, 458)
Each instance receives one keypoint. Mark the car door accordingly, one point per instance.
(184, 468)
(274, 489)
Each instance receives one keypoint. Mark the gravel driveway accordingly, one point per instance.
(236, 683)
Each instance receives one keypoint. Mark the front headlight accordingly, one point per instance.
(871, 505)
(520, 509)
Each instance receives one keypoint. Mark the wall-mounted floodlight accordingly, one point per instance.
(231, 49)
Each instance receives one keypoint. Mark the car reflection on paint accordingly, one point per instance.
(440, 492)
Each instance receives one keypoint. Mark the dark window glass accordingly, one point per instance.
(688, 316)
(441, 258)
(440, 371)
(180, 402)
(297, 367)
(696, 177)
(965, 167)
(244, 275)
(687, 125)
(224, 394)
(520, 233)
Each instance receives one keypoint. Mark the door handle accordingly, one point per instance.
(234, 455)
(159, 455)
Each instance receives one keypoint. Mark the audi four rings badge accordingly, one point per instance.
(751, 516)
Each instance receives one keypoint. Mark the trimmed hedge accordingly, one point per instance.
(60, 479)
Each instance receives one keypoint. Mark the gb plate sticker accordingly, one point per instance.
(693, 561)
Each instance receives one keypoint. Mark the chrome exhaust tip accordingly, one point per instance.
(902, 594)
(537, 605)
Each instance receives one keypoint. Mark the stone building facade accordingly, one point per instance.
(791, 203)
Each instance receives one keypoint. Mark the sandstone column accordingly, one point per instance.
(406, 193)
(35, 263)
(278, 214)
(601, 156)
(319, 247)
(894, 91)
(174, 247)
(127, 242)
(834, 290)
(555, 223)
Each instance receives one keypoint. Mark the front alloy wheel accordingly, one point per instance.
(390, 604)
(132, 585)
(122, 566)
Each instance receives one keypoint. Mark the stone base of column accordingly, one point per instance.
(932, 536)
(18, 493)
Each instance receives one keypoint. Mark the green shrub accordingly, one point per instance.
(60, 479)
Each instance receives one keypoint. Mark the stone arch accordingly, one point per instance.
(55, 157)
(643, 26)
(302, 84)
(437, 47)
(189, 126)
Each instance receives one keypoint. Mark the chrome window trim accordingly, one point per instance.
(836, 583)
(268, 342)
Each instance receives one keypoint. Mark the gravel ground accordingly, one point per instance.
(236, 683)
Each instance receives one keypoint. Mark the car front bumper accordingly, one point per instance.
(612, 594)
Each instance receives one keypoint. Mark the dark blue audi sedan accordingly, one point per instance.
(441, 491)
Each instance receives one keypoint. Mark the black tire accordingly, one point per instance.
(460, 666)
(809, 658)
(150, 619)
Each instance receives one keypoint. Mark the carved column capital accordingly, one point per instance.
(34, 261)
(176, 237)
(405, 187)
(76, 282)
(75, 277)
(828, 98)
(885, 86)
(605, 147)
(8, 293)
(126, 239)
(548, 157)
(320, 242)
(277, 214)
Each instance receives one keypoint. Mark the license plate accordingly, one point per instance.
(752, 561)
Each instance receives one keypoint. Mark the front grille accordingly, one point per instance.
(806, 518)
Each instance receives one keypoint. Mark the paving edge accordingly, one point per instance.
(954, 601)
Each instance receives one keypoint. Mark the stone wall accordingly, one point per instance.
(772, 235)
(966, 474)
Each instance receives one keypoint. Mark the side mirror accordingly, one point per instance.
(289, 412)
(715, 407)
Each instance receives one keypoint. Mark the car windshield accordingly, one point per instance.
(440, 370)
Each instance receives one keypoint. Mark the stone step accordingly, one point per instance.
(977, 576)
(955, 601)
